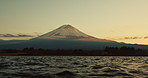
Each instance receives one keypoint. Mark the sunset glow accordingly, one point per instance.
(119, 20)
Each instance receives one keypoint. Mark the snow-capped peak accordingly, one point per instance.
(68, 32)
(67, 26)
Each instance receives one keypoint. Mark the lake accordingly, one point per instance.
(73, 67)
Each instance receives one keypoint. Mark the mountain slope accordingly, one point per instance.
(65, 44)
(67, 32)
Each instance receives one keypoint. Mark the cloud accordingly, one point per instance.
(124, 26)
(17, 35)
(24, 35)
(134, 38)
(37, 33)
(146, 37)
(7, 35)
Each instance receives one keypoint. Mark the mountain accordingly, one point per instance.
(68, 32)
(65, 37)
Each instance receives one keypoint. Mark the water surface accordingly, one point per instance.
(73, 67)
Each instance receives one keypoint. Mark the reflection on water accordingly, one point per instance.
(73, 67)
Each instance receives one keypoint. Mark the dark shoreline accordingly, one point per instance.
(108, 51)
(42, 54)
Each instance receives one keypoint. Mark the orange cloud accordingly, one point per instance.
(125, 26)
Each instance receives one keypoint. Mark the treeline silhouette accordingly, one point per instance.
(124, 51)
(108, 51)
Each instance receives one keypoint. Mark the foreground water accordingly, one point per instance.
(73, 67)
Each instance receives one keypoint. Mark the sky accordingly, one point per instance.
(119, 20)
